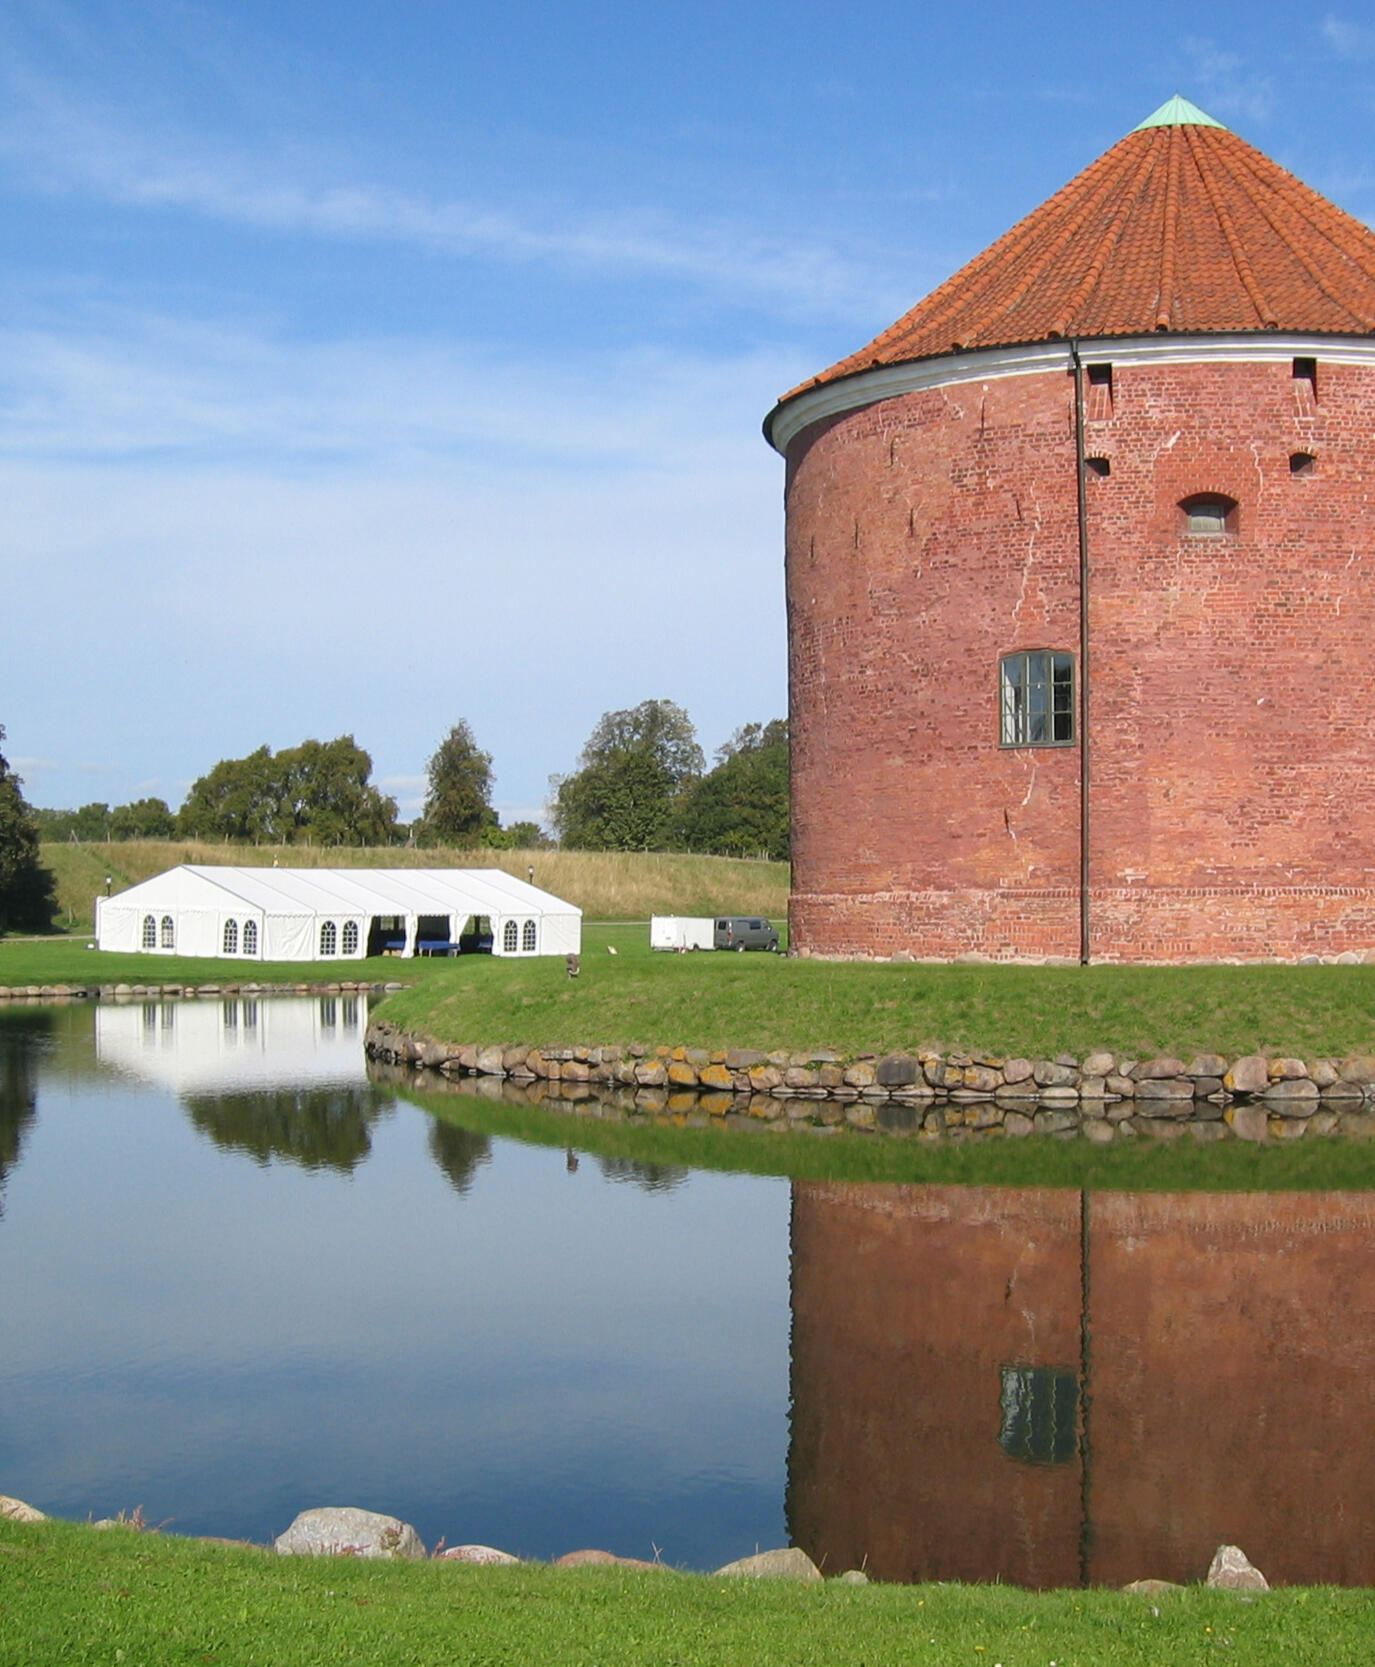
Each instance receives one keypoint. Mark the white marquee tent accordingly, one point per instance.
(334, 914)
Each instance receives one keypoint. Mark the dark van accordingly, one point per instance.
(745, 932)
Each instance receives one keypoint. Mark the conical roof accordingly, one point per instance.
(1180, 227)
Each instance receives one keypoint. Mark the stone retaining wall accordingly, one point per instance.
(1103, 1096)
(169, 992)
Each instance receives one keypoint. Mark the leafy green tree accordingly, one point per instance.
(92, 822)
(741, 807)
(316, 793)
(27, 896)
(143, 819)
(634, 766)
(520, 836)
(458, 806)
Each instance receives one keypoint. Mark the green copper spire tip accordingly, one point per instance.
(1178, 112)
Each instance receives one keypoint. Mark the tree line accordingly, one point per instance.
(641, 784)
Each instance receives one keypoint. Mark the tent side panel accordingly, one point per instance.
(197, 932)
(119, 929)
(289, 938)
(560, 935)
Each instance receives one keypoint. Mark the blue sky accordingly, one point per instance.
(369, 367)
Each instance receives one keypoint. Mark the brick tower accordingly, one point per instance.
(1081, 583)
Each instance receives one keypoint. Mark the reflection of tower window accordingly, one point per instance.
(329, 1012)
(350, 1012)
(1040, 1406)
(250, 1015)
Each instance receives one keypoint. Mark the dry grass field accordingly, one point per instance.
(605, 885)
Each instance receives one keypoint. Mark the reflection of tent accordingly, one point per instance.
(326, 914)
(238, 1044)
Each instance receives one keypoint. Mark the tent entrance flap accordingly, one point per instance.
(386, 934)
(476, 936)
(433, 935)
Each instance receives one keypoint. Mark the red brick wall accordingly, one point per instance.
(1232, 695)
(1231, 1342)
(907, 1303)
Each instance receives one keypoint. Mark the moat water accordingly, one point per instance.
(237, 1279)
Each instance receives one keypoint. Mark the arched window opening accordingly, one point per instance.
(527, 937)
(1099, 466)
(509, 937)
(169, 933)
(1037, 699)
(150, 931)
(250, 937)
(231, 937)
(1209, 515)
(1302, 463)
(329, 938)
(350, 940)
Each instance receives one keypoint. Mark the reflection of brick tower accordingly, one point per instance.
(1096, 511)
(908, 1305)
(1233, 1354)
(938, 1355)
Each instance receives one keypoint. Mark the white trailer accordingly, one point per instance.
(682, 932)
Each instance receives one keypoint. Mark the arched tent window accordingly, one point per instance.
(231, 937)
(250, 937)
(350, 943)
(329, 938)
(509, 937)
(150, 931)
(527, 937)
(169, 933)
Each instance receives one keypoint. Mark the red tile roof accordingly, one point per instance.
(1177, 228)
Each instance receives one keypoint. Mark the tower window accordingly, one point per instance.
(1099, 392)
(1037, 699)
(1098, 466)
(231, 937)
(1209, 515)
(1301, 462)
(150, 931)
(1306, 386)
(169, 932)
(329, 939)
(510, 937)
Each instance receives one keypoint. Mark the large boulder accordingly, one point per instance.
(591, 1558)
(347, 1531)
(15, 1510)
(788, 1563)
(1231, 1570)
(487, 1555)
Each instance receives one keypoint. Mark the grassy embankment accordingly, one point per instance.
(72, 1594)
(605, 885)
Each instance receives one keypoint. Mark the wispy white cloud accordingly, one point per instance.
(105, 384)
(1225, 85)
(63, 143)
(1347, 40)
(379, 538)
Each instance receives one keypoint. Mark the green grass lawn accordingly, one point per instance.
(67, 960)
(77, 1596)
(718, 1000)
